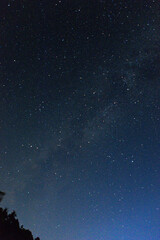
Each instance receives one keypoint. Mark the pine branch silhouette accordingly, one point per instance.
(10, 228)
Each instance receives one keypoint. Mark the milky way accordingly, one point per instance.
(79, 117)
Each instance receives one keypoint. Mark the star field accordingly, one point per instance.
(79, 117)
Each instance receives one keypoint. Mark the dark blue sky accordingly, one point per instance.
(79, 117)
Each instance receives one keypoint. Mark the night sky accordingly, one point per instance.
(80, 117)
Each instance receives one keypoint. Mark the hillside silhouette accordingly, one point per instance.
(10, 228)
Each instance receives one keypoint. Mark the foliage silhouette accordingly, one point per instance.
(9, 226)
(1, 195)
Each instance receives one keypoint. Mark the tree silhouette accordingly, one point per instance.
(9, 226)
(1, 195)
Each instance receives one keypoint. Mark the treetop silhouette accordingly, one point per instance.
(9, 226)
